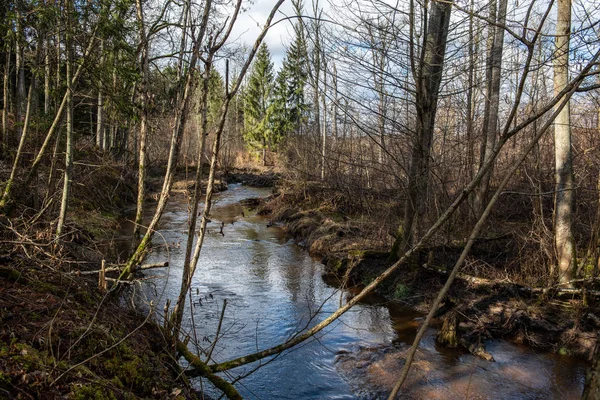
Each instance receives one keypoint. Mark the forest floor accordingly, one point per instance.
(60, 336)
(355, 247)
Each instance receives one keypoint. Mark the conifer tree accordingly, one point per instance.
(216, 92)
(280, 112)
(257, 102)
(295, 66)
(289, 107)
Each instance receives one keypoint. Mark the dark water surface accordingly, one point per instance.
(274, 289)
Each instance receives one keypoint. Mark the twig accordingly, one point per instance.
(214, 343)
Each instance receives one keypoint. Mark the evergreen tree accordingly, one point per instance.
(216, 93)
(280, 112)
(296, 74)
(257, 102)
(288, 109)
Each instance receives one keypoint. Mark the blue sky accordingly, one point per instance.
(250, 23)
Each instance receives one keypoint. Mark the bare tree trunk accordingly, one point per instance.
(380, 44)
(428, 84)
(324, 125)
(20, 70)
(6, 100)
(564, 199)
(144, 100)
(494, 69)
(100, 129)
(188, 267)
(335, 104)
(7, 188)
(47, 73)
(181, 116)
(68, 175)
(110, 135)
(381, 109)
(470, 91)
(594, 246)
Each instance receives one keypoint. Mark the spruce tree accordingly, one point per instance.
(258, 101)
(289, 107)
(294, 65)
(280, 120)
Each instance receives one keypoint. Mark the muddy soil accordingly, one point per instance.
(355, 251)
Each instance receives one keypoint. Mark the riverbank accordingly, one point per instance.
(355, 250)
(60, 336)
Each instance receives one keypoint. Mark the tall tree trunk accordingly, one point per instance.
(20, 71)
(381, 108)
(47, 77)
(378, 36)
(144, 100)
(335, 105)
(7, 188)
(68, 175)
(324, 124)
(100, 128)
(564, 198)
(5, 86)
(427, 88)
(594, 247)
(490, 122)
(188, 266)
(470, 91)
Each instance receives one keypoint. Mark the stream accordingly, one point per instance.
(274, 289)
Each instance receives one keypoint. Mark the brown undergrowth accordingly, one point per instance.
(60, 337)
(493, 299)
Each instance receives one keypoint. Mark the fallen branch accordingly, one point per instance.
(571, 291)
(147, 278)
(118, 269)
(460, 275)
(224, 386)
(476, 348)
(490, 282)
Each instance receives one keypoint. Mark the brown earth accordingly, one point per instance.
(355, 251)
(60, 337)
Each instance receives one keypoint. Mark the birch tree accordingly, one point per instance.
(144, 99)
(68, 174)
(564, 199)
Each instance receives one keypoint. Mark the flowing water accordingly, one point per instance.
(274, 289)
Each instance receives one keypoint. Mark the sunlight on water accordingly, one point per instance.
(274, 289)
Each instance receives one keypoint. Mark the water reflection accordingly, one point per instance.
(273, 289)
